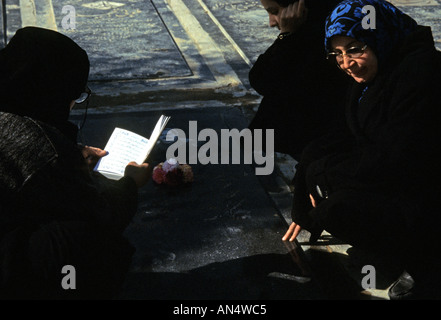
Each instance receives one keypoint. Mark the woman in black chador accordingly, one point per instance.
(57, 218)
(378, 185)
(302, 93)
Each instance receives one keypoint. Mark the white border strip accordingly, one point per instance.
(225, 33)
(29, 17)
(208, 48)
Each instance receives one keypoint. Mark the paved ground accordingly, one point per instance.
(219, 238)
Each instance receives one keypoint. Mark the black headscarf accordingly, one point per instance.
(41, 72)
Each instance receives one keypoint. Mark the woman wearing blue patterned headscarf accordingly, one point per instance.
(377, 185)
(392, 26)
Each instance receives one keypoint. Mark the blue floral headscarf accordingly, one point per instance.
(392, 26)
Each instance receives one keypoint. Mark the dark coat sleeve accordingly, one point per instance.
(279, 67)
(64, 189)
(332, 143)
(66, 192)
(293, 64)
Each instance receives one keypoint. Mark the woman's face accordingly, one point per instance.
(274, 10)
(363, 68)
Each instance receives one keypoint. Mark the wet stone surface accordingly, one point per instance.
(133, 42)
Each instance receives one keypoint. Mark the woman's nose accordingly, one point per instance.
(347, 62)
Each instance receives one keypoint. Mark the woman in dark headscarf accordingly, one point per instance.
(377, 186)
(38, 79)
(301, 92)
(53, 211)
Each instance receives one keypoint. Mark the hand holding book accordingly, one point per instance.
(92, 155)
(125, 146)
(140, 173)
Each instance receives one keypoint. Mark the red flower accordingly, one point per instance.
(171, 173)
(173, 178)
(158, 175)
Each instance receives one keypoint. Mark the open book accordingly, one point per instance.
(125, 146)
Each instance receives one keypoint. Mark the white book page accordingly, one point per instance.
(159, 127)
(123, 146)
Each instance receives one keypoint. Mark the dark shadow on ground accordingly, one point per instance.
(258, 277)
(341, 275)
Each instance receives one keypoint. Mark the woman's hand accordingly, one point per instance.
(312, 200)
(294, 229)
(141, 173)
(92, 155)
(293, 16)
(292, 233)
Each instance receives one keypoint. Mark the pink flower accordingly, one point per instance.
(170, 165)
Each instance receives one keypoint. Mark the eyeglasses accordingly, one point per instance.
(84, 96)
(351, 53)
